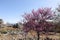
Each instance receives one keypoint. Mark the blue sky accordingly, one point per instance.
(12, 10)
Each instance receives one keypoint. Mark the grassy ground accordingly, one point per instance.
(31, 34)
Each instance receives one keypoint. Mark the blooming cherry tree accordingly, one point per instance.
(37, 20)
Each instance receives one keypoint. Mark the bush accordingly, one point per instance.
(3, 32)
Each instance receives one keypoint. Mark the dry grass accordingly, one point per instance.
(30, 34)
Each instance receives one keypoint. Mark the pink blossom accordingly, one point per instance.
(37, 20)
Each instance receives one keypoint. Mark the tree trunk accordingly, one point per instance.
(38, 36)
